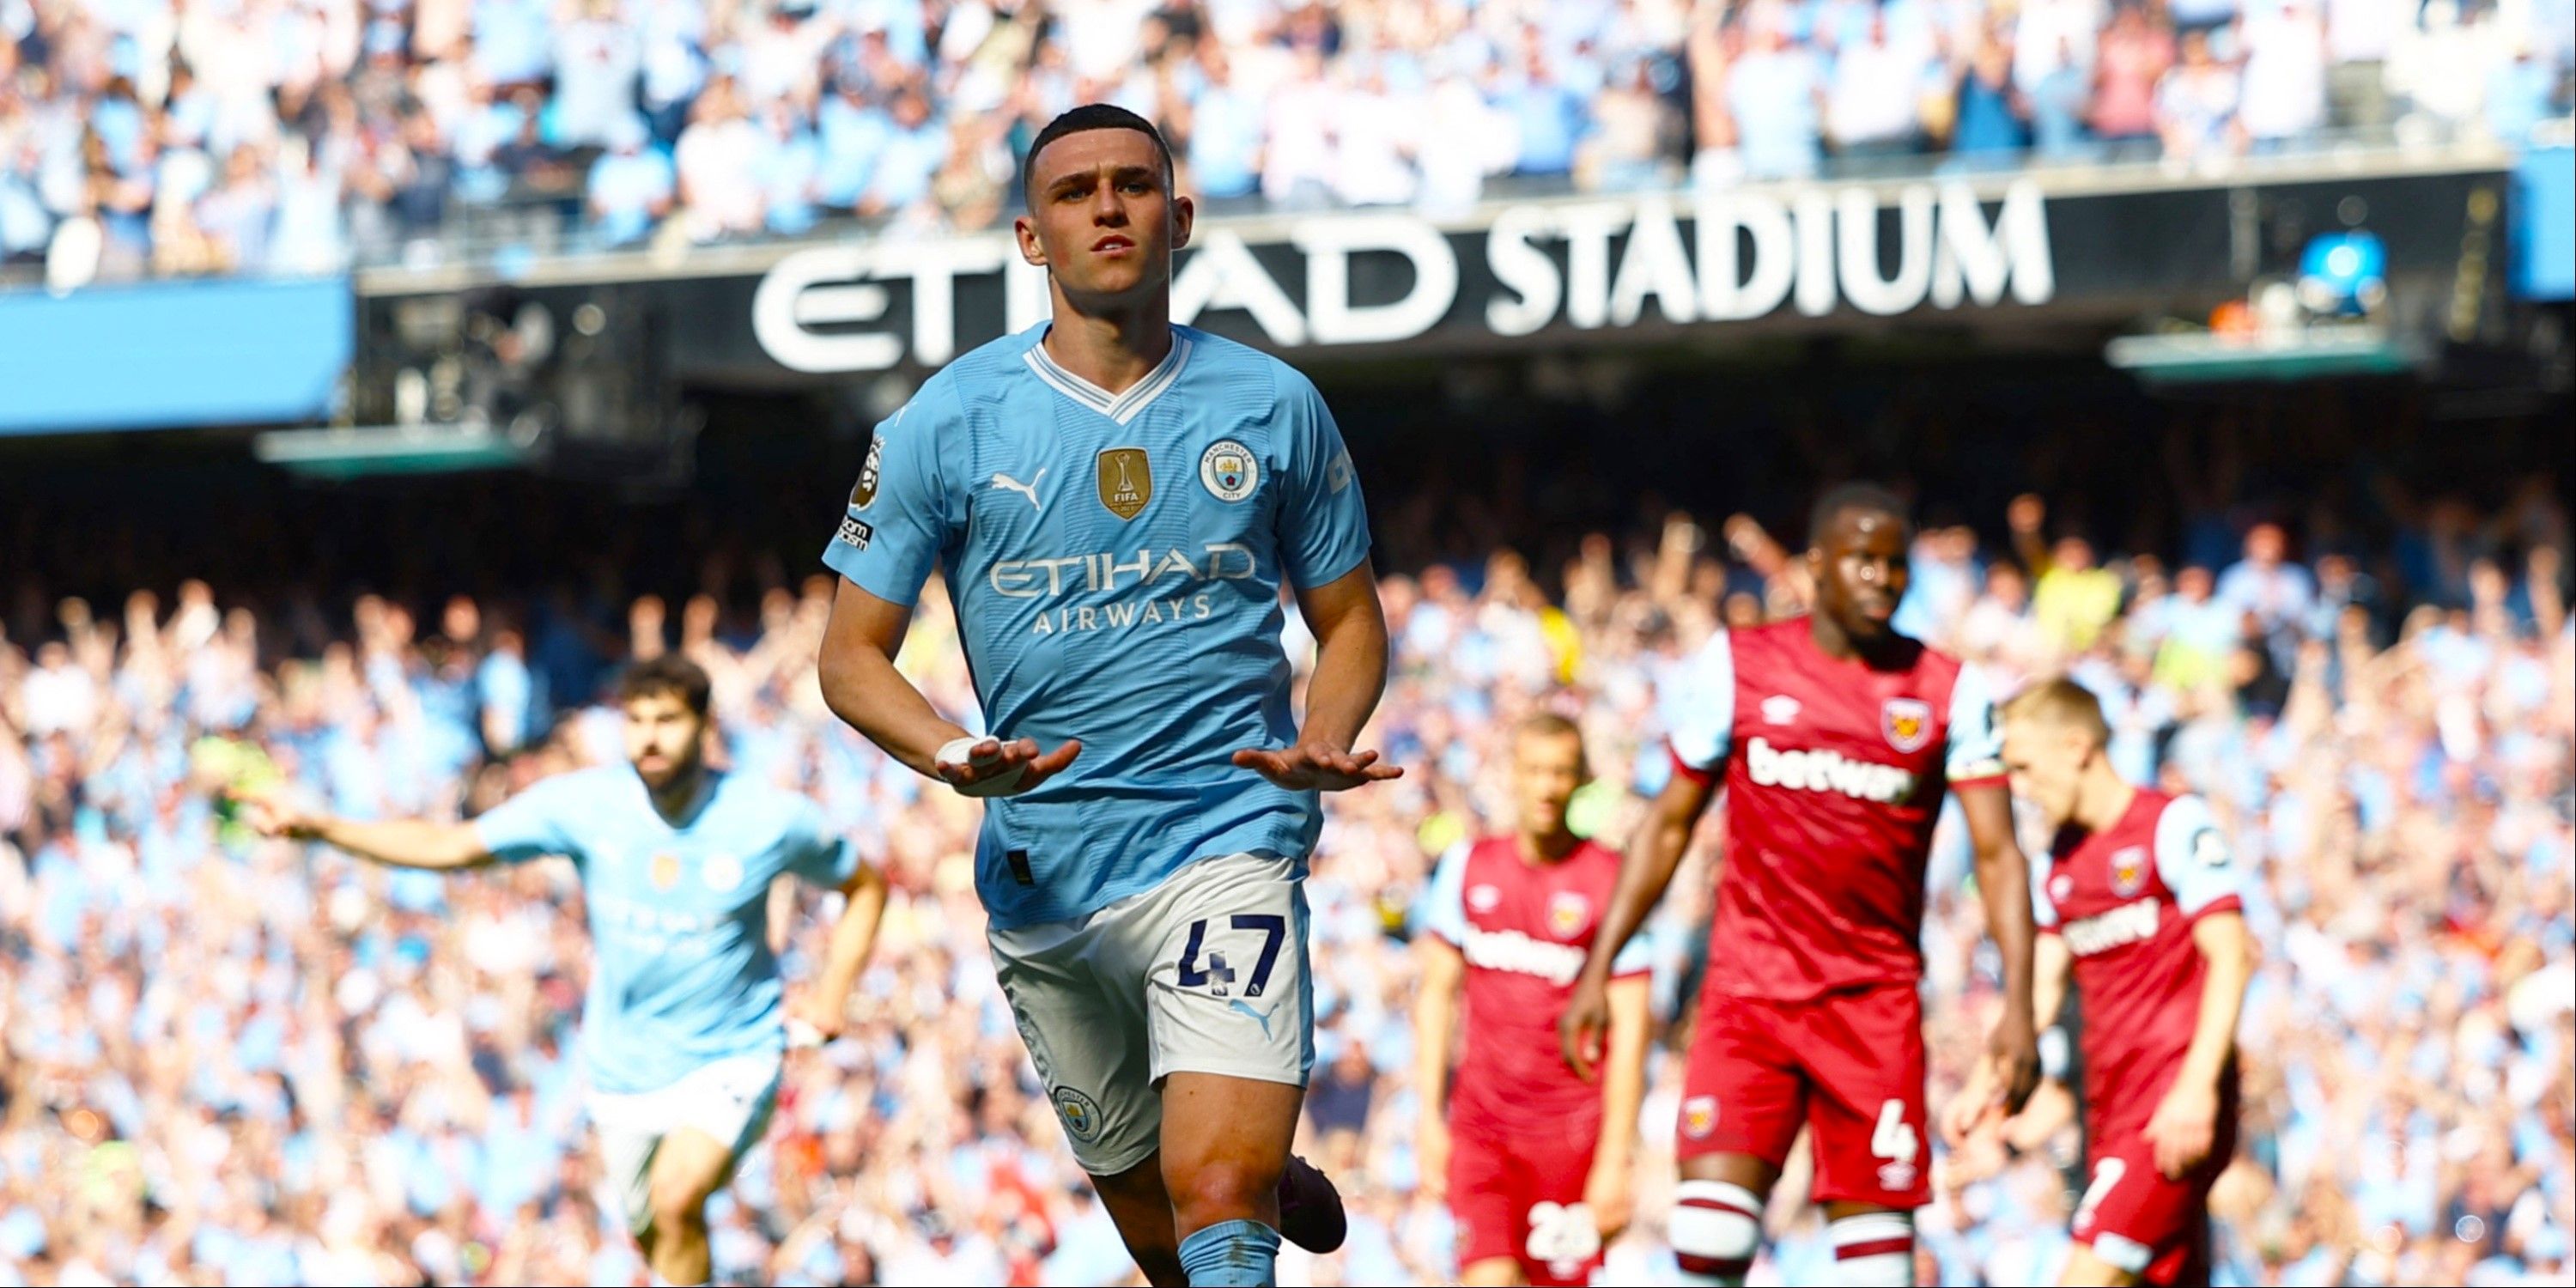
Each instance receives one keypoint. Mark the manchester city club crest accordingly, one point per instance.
(1081, 1114)
(1907, 722)
(721, 872)
(1228, 470)
(1126, 481)
(2129, 871)
(1567, 913)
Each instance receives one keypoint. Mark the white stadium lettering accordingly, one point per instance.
(830, 309)
(2127, 924)
(1827, 771)
(1510, 950)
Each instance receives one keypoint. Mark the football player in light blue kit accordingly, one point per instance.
(1116, 502)
(682, 1032)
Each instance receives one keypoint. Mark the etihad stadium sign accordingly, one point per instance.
(1363, 278)
(2053, 254)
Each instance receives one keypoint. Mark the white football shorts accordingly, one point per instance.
(1205, 973)
(730, 1100)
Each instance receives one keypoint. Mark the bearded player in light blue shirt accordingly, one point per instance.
(683, 1028)
(1116, 502)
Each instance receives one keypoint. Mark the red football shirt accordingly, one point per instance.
(1524, 929)
(1834, 777)
(2125, 899)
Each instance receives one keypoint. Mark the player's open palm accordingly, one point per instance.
(2183, 1128)
(1314, 767)
(997, 767)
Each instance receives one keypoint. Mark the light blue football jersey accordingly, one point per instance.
(681, 973)
(1116, 562)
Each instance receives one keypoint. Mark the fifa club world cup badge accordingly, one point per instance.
(1907, 722)
(1126, 481)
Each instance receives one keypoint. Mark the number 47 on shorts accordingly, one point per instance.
(1216, 976)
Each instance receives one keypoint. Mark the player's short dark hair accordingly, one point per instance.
(1091, 116)
(670, 674)
(1869, 498)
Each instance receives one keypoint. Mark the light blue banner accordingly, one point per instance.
(173, 354)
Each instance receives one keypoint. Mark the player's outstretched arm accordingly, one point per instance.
(2003, 883)
(1350, 673)
(402, 842)
(862, 687)
(1643, 876)
(2185, 1123)
(819, 1015)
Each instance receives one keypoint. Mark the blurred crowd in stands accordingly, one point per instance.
(292, 136)
(240, 1062)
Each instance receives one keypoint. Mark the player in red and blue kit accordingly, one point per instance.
(1836, 738)
(1534, 1161)
(2141, 904)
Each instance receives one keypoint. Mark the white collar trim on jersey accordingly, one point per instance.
(1118, 407)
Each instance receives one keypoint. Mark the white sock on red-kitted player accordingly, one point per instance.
(1873, 1250)
(1715, 1229)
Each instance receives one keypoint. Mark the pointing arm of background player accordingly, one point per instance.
(400, 842)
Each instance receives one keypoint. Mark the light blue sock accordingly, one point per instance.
(1232, 1254)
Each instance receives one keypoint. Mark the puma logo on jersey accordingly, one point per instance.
(1028, 489)
(1827, 771)
(2127, 924)
(1513, 951)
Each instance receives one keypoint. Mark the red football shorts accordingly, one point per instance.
(1848, 1065)
(1520, 1195)
(2134, 1218)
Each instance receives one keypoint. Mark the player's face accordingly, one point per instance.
(2046, 762)
(1546, 770)
(1101, 219)
(1860, 571)
(662, 738)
